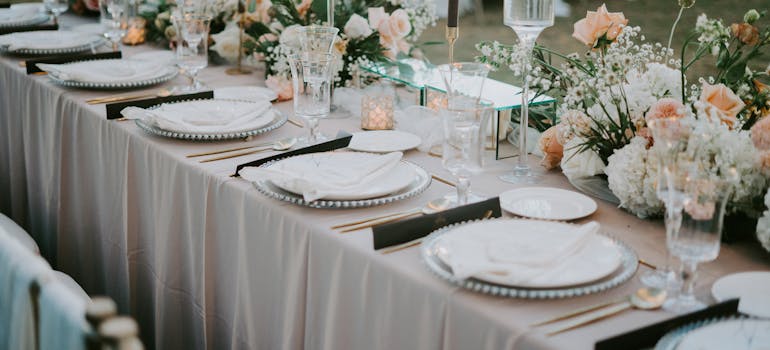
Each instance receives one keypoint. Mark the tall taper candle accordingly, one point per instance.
(451, 21)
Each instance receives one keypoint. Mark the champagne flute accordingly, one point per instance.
(527, 18)
(114, 20)
(56, 7)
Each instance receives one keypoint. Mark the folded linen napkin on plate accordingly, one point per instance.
(107, 71)
(45, 39)
(16, 15)
(317, 175)
(205, 116)
(520, 258)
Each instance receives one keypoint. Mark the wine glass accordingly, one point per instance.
(700, 235)
(56, 7)
(671, 141)
(311, 78)
(317, 39)
(192, 48)
(527, 18)
(463, 141)
(114, 20)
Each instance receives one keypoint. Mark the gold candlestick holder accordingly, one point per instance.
(239, 69)
(451, 37)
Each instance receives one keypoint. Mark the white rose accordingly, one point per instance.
(584, 164)
(226, 42)
(376, 16)
(399, 24)
(289, 36)
(357, 27)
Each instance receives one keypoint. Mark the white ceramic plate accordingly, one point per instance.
(547, 203)
(383, 141)
(597, 258)
(48, 42)
(744, 334)
(753, 288)
(166, 56)
(114, 74)
(247, 93)
(397, 179)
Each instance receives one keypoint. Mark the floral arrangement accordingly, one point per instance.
(608, 95)
(157, 14)
(85, 7)
(370, 31)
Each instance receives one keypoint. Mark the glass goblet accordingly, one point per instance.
(192, 48)
(317, 39)
(527, 18)
(311, 80)
(114, 20)
(462, 148)
(56, 7)
(464, 82)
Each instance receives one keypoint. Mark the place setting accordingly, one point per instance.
(19, 15)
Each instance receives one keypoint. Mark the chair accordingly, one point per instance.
(15, 231)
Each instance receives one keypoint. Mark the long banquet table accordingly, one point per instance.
(202, 260)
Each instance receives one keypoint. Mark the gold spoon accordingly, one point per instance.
(119, 98)
(643, 299)
(280, 145)
(434, 206)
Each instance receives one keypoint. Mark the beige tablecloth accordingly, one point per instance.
(203, 260)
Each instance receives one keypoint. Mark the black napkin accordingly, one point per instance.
(113, 109)
(59, 59)
(399, 232)
(647, 337)
(342, 140)
(30, 28)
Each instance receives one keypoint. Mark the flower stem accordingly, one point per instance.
(673, 28)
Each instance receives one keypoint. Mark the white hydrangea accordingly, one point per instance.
(576, 164)
(763, 225)
(632, 172)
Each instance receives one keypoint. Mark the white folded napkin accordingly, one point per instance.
(45, 39)
(205, 116)
(520, 258)
(17, 15)
(316, 176)
(107, 71)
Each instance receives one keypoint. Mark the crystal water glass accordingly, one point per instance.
(464, 82)
(317, 39)
(192, 47)
(56, 7)
(671, 148)
(698, 239)
(463, 140)
(311, 80)
(114, 20)
(528, 18)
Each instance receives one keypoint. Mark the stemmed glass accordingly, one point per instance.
(527, 18)
(463, 139)
(317, 39)
(311, 80)
(671, 140)
(699, 238)
(114, 20)
(192, 48)
(56, 7)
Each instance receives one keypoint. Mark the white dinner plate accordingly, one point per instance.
(753, 288)
(247, 93)
(742, 334)
(547, 203)
(48, 42)
(383, 141)
(391, 182)
(598, 257)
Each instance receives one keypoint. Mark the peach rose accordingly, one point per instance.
(746, 33)
(388, 40)
(282, 86)
(399, 23)
(553, 151)
(599, 24)
(760, 134)
(665, 108)
(376, 16)
(724, 101)
(303, 7)
(700, 211)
